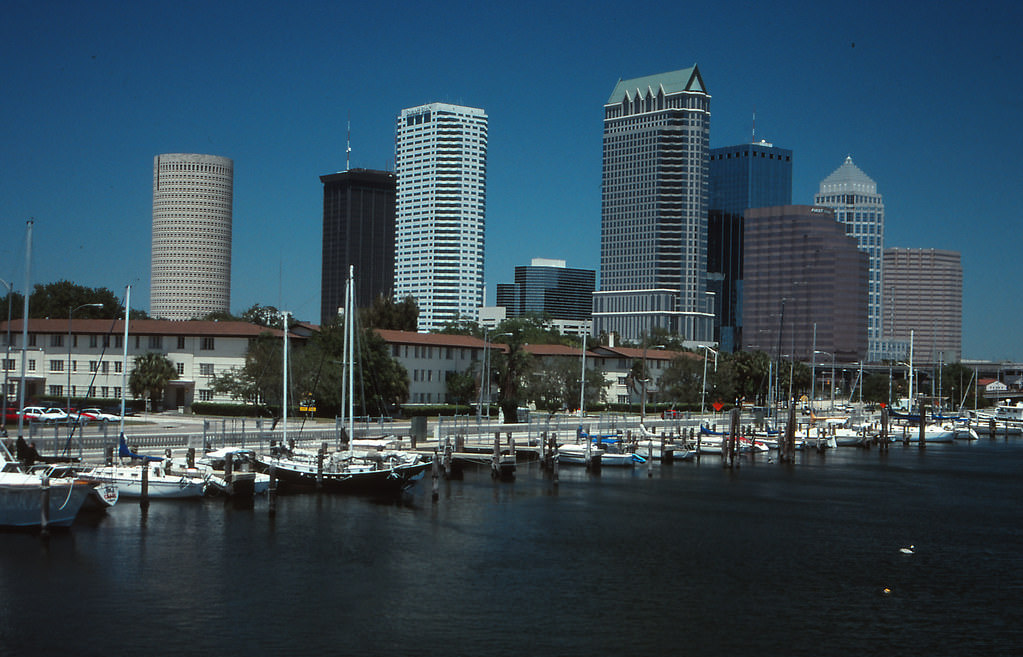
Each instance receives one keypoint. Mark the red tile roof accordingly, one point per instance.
(430, 339)
(144, 327)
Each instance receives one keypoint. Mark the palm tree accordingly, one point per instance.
(150, 376)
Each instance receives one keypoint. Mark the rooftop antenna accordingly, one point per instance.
(754, 125)
(348, 144)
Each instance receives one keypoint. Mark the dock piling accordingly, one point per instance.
(144, 497)
(272, 491)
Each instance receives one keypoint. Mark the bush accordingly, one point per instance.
(414, 410)
(234, 410)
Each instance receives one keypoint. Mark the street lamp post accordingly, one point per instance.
(813, 369)
(828, 353)
(582, 380)
(703, 392)
(645, 379)
(7, 355)
(70, 312)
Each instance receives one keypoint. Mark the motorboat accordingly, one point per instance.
(933, 433)
(232, 471)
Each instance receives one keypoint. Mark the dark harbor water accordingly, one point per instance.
(695, 560)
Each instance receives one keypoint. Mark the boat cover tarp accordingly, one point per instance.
(126, 453)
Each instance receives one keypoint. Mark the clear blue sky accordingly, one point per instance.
(926, 97)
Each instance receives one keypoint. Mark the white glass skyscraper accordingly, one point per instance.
(193, 198)
(441, 168)
(853, 196)
(653, 247)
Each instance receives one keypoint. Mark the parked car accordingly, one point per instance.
(44, 415)
(97, 415)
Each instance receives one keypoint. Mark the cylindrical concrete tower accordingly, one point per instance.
(191, 261)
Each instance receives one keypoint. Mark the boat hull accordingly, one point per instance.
(299, 475)
(21, 502)
(160, 486)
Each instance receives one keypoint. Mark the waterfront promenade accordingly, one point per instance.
(157, 432)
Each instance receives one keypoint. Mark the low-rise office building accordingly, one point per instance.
(88, 356)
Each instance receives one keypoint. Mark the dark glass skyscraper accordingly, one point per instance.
(802, 271)
(744, 176)
(358, 229)
(549, 288)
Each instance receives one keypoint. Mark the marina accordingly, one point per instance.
(791, 557)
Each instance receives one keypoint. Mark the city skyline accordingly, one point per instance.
(95, 102)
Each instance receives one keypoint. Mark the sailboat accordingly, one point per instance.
(367, 470)
(160, 480)
(22, 494)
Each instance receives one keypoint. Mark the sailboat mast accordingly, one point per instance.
(124, 354)
(24, 328)
(284, 396)
(350, 333)
(343, 312)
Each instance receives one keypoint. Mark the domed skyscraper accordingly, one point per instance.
(193, 197)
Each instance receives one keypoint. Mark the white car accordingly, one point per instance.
(96, 415)
(45, 415)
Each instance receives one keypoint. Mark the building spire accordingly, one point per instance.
(348, 144)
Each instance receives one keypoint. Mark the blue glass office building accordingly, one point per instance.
(548, 287)
(744, 176)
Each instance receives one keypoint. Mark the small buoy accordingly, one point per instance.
(907, 550)
(886, 591)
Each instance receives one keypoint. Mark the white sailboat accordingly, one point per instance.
(22, 493)
(21, 496)
(152, 474)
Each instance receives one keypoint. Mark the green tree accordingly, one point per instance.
(533, 328)
(959, 384)
(875, 388)
(54, 300)
(259, 380)
(150, 375)
(463, 387)
(262, 315)
(682, 382)
(750, 370)
(219, 316)
(800, 375)
(385, 313)
(512, 368)
(462, 327)
(385, 379)
(17, 304)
